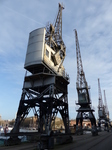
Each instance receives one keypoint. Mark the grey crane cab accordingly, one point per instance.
(40, 54)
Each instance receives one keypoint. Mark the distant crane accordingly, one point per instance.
(103, 112)
(106, 107)
(85, 111)
(101, 108)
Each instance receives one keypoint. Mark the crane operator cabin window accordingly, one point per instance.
(47, 53)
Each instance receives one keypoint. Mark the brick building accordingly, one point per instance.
(86, 123)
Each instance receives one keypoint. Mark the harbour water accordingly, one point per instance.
(23, 138)
(1, 142)
(2, 132)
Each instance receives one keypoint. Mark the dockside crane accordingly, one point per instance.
(101, 107)
(45, 87)
(106, 108)
(85, 111)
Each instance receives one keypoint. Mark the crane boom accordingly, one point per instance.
(58, 23)
(54, 32)
(106, 107)
(100, 105)
(81, 84)
(54, 39)
(101, 108)
(81, 80)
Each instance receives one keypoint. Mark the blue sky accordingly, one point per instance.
(93, 21)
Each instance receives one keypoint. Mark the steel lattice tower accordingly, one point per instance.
(45, 88)
(106, 108)
(101, 108)
(85, 111)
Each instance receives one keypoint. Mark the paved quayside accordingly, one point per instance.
(80, 142)
(88, 142)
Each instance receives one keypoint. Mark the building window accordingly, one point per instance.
(47, 53)
(51, 56)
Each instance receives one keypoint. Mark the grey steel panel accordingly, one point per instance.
(50, 80)
(37, 32)
(34, 39)
(35, 49)
(39, 82)
(100, 113)
(36, 59)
